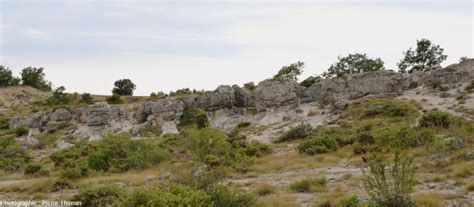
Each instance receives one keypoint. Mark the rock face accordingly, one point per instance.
(168, 109)
(57, 118)
(222, 97)
(451, 76)
(273, 93)
(99, 114)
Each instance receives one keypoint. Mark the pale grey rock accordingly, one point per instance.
(151, 178)
(243, 97)
(59, 115)
(200, 170)
(61, 144)
(273, 93)
(454, 143)
(222, 97)
(168, 109)
(99, 114)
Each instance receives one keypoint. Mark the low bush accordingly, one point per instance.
(114, 99)
(231, 197)
(318, 144)
(87, 98)
(297, 132)
(390, 184)
(306, 185)
(35, 169)
(21, 130)
(100, 196)
(59, 97)
(194, 117)
(264, 189)
(12, 155)
(112, 153)
(435, 119)
(168, 195)
(243, 124)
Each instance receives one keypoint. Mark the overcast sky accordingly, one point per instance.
(167, 45)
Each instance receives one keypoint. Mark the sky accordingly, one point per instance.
(166, 45)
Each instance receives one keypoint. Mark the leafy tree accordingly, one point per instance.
(308, 82)
(34, 77)
(423, 58)
(6, 77)
(124, 87)
(291, 71)
(353, 64)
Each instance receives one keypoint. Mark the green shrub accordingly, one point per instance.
(193, 117)
(390, 184)
(349, 202)
(7, 78)
(100, 196)
(112, 153)
(306, 185)
(318, 144)
(436, 119)
(33, 169)
(12, 155)
(297, 132)
(395, 137)
(250, 86)
(150, 131)
(231, 197)
(59, 97)
(255, 148)
(87, 98)
(114, 99)
(123, 87)
(21, 130)
(168, 195)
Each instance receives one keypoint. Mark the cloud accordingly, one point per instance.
(201, 44)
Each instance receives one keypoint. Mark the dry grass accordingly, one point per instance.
(280, 199)
(29, 186)
(429, 200)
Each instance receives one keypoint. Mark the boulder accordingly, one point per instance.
(16, 122)
(36, 121)
(243, 97)
(59, 115)
(99, 114)
(454, 143)
(168, 109)
(119, 112)
(273, 93)
(222, 97)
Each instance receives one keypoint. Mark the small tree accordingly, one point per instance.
(308, 82)
(6, 77)
(250, 86)
(59, 97)
(291, 71)
(353, 64)
(34, 77)
(124, 87)
(87, 98)
(425, 57)
(391, 184)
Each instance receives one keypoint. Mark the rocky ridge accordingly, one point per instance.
(229, 105)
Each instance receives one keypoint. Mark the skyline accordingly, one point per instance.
(164, 46)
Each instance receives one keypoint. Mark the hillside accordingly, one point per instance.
(280, 144)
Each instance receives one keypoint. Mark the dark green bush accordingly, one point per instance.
(100, 196)
(318, 144)
(193, 116)
(396, 137)
(250, 86)
(21, 130)
(33, 169)
(243, 124)
(123, 87)
(87, 98)
(114, 99)
(297, 132)
(436, 119)
(7, 78)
